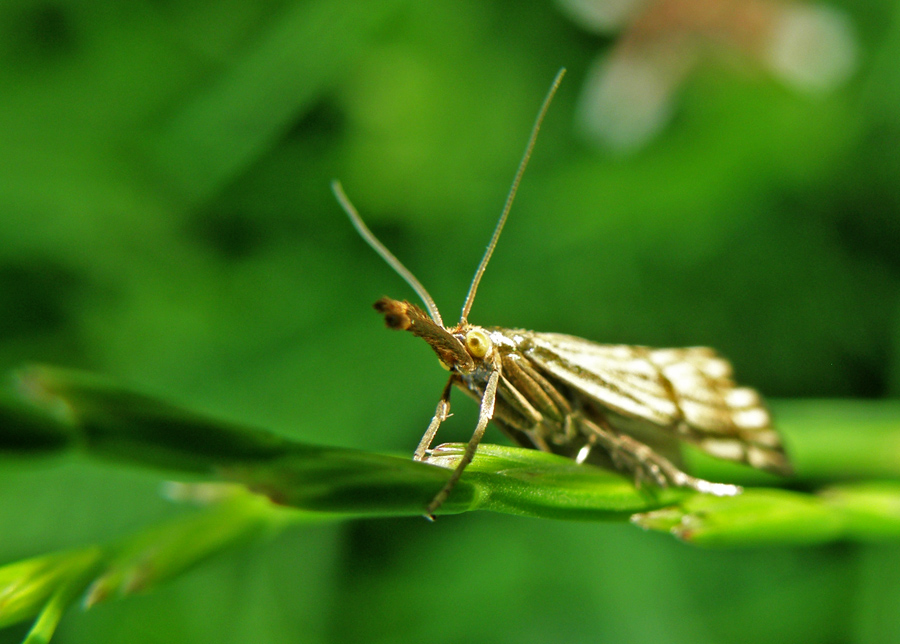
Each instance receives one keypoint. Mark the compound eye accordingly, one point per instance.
(478, 343)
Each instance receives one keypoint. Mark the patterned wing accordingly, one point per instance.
(689, 391)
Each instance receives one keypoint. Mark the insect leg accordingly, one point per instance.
(642, 462)
(484, 416)
(441, 414)
(545, 411)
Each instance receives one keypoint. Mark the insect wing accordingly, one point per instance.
(688, 391)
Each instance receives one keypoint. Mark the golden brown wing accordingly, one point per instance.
(687, 391)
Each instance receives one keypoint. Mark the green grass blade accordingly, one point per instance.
(71, 408)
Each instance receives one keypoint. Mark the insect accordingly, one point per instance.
(622, 406)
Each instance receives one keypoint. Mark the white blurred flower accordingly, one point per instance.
(629, 93)
(602, 16)
(811, 48)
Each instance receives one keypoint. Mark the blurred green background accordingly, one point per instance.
(166, 219)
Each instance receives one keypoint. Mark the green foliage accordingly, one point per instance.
(292, 482)
(165, 219)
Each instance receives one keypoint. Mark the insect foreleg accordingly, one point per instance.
(484, 416)
(441, 414)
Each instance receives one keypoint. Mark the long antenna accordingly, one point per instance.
(386, 255)
(509, 198)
